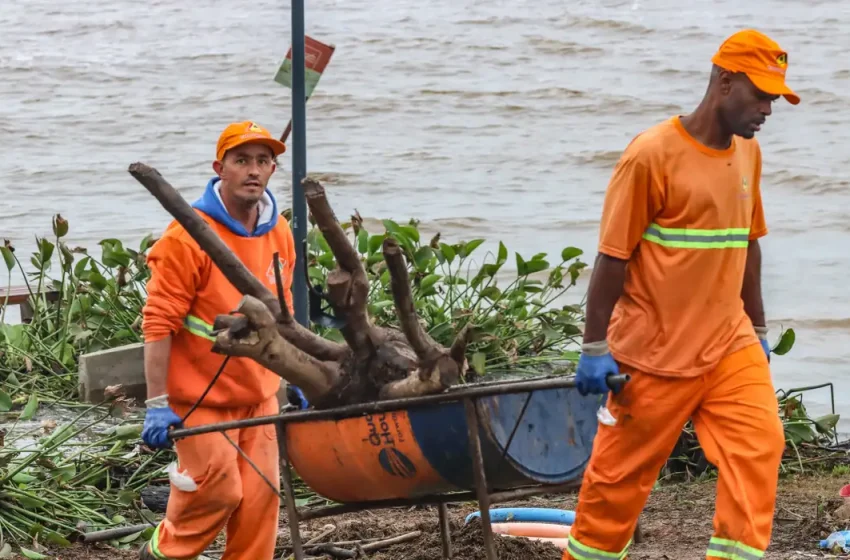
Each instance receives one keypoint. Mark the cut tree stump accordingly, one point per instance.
(374, 363)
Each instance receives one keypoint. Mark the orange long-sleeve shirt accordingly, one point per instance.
(187, 291)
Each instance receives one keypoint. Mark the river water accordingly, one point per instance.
(499, 119)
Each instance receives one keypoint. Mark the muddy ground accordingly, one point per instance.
(677, 523)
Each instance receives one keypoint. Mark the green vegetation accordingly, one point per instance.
(90, 467)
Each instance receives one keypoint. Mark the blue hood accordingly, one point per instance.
(211, 204)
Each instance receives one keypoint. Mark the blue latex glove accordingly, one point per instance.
(158, 419)
(594, 366)
(762, 334)
(295, 396)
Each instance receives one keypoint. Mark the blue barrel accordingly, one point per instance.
(421, 451)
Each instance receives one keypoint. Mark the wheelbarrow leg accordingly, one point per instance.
(291, 511)
(445, 532)
(480, 477)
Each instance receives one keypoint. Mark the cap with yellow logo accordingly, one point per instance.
(240, 133)
(760, 58)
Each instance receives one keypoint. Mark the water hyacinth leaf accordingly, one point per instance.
(786, 342)
(30, 408)
(826, 424)
(8, 257)
(479, 360)
(5, 401)
(32, 555)
(570, 253)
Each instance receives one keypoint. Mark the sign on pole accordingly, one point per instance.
(317, 55)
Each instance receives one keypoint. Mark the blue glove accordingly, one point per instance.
(594, 366)
(766, 346)
(296, 397)
(158, 419)
(762, 334)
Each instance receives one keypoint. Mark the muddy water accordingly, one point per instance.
(498, 119)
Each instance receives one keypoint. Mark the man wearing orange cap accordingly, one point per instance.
(212, 486)
(675, 301)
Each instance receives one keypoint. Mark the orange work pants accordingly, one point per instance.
(734, 411)
(229, 492)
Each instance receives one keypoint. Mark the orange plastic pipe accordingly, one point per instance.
(532, 529)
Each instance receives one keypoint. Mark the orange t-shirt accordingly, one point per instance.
(683, 214)
(187, 291)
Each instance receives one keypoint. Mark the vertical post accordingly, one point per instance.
(299, 162)
(292, 516)
(479, 477)
(445, 532)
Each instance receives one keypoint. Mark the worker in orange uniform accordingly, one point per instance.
(675, 301)
(213, 486)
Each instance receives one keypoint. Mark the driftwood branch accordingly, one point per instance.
(348, 285)
(230, 265)
(424, 346)
(262, 342)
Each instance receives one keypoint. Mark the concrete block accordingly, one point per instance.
(124, 365)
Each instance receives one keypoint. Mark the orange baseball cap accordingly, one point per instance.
(760, 58)
(240, 133)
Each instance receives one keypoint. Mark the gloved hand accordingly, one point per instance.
(158, 418)
(762, 334)
(296, 397)
(594, 366)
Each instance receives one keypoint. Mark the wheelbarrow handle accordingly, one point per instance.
(616, 382)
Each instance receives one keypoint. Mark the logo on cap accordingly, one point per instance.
(782, 60)
(254, 128)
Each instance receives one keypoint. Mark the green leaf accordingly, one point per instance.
(826, 424)
(470, 246)
(535, 265)
(410, 232)
(362, 241)
(375, 243)
(479, 360)
(8, 257)
(97, 280)
(422, 257)
(30, 502)
(429, 281)
(30, 408)
(448, 252)
(520, 266)
(5, 402)
(503, 254)
(32, 555)
(491, 292)
(786, 342)
(570, 253)
(128, 431)
(799, 432)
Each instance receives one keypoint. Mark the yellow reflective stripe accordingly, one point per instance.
(583, 552)
(686, 238)
(733, 550)
(154, 545)
(198, 327)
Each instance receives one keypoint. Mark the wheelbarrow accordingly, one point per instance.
(492, 442)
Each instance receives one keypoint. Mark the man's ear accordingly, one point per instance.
(217, 167)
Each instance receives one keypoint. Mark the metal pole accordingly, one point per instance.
(299, 162)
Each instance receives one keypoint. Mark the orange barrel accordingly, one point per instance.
(425, 450)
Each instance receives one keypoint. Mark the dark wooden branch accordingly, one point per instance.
(230, 265)
(426, 349)
(348, 286)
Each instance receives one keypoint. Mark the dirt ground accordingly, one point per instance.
(677, 523)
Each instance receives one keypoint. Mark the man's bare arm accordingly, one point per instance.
(751, 290)
(606, 287)
(156, 366)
